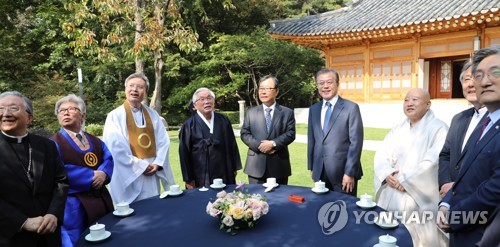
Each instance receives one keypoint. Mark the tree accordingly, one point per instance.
(232, 66)
(100, 26)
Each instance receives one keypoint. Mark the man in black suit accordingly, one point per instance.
(460, 130)
(477, 188)
(33, 182)
(268, 129)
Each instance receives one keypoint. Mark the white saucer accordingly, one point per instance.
(320, 191)
(267, 185)
(90, 239)
(130, 211)
(386, 225)
(213, 186)
(363, 206)
(378, 245)
(168, 193)
(203, 189)
(174, 194)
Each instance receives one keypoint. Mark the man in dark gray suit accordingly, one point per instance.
(335, 137)
(461, 128)
(268, 129)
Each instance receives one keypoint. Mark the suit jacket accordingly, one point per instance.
(20, 200)
(491, 236)
(282, 132)
(452, 149)
(337, 152)
(477, 188)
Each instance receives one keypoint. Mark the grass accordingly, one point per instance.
(300, 175)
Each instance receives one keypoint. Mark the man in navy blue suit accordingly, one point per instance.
(477, 188)
(460, 130)
(334, 137)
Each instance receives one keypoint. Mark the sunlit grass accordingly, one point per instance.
(298, 151)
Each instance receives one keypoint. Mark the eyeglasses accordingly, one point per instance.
(132, 85)
(12, 108)
(69, 109)
(492, 74)
(266, 89)
(203, 100)
(325, 83)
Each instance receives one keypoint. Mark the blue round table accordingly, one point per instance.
(183, 221)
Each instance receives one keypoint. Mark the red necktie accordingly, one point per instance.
(483, 127)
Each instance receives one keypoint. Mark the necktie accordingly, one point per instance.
(268, 119)
(483, 127)
(328, 114)
(80, 137)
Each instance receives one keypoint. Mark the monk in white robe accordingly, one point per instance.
(406, 168)
(136, 136)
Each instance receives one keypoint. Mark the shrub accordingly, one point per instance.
(234, 116)
(94, 129)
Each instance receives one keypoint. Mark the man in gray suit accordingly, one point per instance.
(268, 129)
(461, 128)
(335, 137)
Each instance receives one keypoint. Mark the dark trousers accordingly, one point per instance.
(338, 187)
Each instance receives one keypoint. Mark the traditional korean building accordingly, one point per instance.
(382, 48)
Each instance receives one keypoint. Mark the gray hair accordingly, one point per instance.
(200, 90)
(71, 98)
(325, 71)
(138, 75)
(467, 65)
(275, 80)
(27, 102)
(482, 54)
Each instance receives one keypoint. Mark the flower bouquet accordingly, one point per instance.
(237, 210)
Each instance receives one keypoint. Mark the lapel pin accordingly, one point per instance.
(496, 127)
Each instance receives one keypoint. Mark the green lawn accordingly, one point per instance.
(300, 175)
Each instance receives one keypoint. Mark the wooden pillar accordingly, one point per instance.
(367, 80)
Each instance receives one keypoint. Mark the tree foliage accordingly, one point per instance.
(220, 44)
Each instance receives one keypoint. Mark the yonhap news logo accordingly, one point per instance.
(332, 217)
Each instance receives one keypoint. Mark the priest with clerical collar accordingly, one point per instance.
(33, 182)
(138, 141)
(89, 165)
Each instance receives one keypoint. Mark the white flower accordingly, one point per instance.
(228, 221)
(221, 194)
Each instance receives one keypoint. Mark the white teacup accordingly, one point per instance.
(366, 200)
(218, 181)
(271, 181)
(175, 189)
(387, 241)
(319, 186)
(97, 231)
(122, 207)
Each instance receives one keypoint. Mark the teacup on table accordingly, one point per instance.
(271, 181)
(218, 182)
(175, 189)
(387, 241)
(122, 207)
(319, 186)
(366, 200)
(97, 231)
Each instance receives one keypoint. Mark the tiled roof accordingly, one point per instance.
(362, 15)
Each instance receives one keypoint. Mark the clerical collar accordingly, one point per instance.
(17, 139)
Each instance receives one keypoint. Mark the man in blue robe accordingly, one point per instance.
(89, 165)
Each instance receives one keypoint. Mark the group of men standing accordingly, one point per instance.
(422, 166)
(208, 147)
(43, 182)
